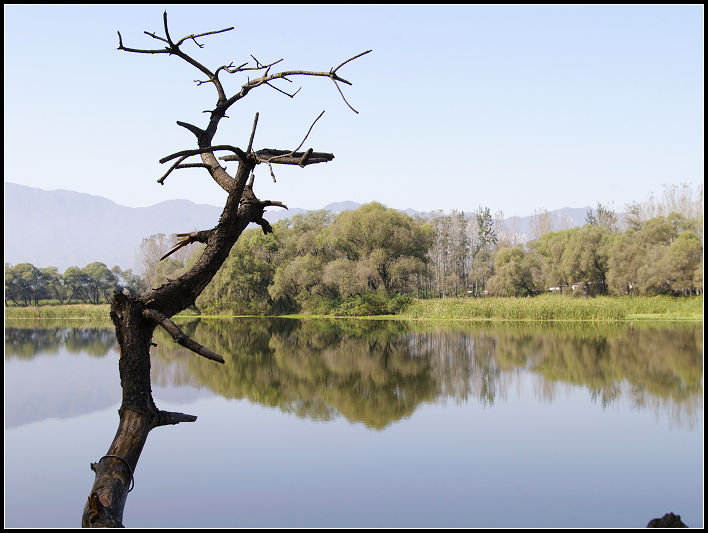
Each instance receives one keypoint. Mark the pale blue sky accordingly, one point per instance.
(516, 108)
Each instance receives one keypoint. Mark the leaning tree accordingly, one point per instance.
(136, 317)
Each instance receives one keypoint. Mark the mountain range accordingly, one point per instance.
(63, 228)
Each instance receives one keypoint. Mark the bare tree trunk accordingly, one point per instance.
(136, 317)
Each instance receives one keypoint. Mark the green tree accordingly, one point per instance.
(300, 260)
(13, 286)
(100, 281)
(77, 283)
(482, 271)
(241, 286)
(54, 284)
(516, 273)
(387, 241)
(585, 258)
(24, 283)
(550, 248)
(659, 268)
(298, 283)
(626, 256)
(684, 258)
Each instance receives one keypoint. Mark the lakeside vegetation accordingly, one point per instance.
(88, 312)
(376, 261)
(553, 307)
(550, 307)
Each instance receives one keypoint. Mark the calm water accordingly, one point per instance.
(324, 423)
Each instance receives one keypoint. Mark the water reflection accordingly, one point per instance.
(27, 342)
(378, 372)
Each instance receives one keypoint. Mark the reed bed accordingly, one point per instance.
(559, 308)
(60, 312)
(547, 307)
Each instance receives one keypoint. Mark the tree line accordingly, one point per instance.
(373, 259)
(95, 283)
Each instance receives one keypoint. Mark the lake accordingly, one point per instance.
(368, 423)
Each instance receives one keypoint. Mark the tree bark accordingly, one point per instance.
(136, 317)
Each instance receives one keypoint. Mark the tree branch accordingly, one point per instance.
(287, 157)
(240, 155)
(268, 203)
(193, 36)
(253, 134)
(267, 78)
(198, 132)
(188, 238)
(205, 136)
(334, 71)
(179, 337)
(170, 418)
(342, 95)
(309, 131)
(161, 180)
(265, 225)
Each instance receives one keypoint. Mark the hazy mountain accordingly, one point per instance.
(568, 217)
(64, 228)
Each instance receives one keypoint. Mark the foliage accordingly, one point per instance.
(26, 284)
(355, 263)
(516, 273)
(660, 256)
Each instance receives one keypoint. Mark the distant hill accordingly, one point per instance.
(568, 217)
(63, 228)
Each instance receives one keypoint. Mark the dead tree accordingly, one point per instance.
(136, 317)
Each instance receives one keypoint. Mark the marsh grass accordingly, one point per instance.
(558, 308)
(543, 308)
(60, 312)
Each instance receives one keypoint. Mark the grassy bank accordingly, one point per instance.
(558, 307)
(540, 308)
(63, 312)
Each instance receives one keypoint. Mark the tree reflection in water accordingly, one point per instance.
(377, 372)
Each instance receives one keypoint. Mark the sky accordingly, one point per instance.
(516, 108)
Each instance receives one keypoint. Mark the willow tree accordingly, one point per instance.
(136, 317)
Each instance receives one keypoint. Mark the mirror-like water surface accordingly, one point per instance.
(355, 423)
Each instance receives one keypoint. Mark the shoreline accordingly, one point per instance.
(540, 309)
